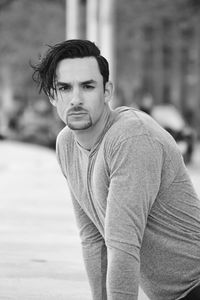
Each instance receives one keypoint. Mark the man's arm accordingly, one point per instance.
(135, 173)
(93, 244)
(94, 252)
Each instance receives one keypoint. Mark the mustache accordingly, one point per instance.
(76, 109)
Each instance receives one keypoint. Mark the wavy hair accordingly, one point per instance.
(45, 71)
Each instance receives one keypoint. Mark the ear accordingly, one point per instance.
(53, 97)
(53, 101)
(108, 91)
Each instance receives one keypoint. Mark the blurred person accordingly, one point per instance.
(135, 206)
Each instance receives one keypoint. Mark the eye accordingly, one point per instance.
(88, 87)
(64, 88)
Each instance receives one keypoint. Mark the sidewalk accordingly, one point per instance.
(40, 254)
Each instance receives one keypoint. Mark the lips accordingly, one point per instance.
(77, 114)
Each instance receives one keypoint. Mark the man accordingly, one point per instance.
(137, 211)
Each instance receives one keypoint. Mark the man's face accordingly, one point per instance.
(81, 98)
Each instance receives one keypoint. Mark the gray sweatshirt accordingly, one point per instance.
(136, 209)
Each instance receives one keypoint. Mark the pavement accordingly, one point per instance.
(40, 253)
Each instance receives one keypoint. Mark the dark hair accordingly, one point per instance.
(45, 71)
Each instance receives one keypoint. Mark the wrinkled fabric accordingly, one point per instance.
(136, 209)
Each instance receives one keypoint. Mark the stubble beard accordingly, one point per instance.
(79, 125)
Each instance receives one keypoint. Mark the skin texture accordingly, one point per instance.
(81, 99)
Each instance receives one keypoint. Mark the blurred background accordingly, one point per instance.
(153, 48)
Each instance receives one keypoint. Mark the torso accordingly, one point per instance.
(170, 247)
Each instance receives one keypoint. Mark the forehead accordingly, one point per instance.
(78, 69)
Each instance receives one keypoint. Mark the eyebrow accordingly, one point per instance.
(91, 81)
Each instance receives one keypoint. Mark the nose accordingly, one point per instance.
(76, 98)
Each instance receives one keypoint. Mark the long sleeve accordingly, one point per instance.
(135, 173)
(93, 244)
(94, 252)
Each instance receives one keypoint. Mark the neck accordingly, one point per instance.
(88, 138)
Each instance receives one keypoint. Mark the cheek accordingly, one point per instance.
(96, 111)
(61, 110)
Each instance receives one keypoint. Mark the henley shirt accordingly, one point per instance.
(136, 209)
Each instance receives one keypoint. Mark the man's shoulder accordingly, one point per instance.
(127, 123)
(64, 137)
(131, 125)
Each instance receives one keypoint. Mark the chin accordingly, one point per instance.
(75, 126)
